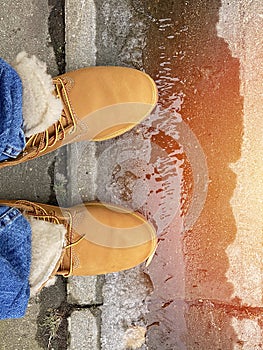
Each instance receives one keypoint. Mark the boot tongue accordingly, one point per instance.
(41, 108)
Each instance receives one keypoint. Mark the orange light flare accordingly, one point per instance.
(214, 114)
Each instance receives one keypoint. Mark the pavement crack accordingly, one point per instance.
(51, 172)
(56, 27)
(74, 307)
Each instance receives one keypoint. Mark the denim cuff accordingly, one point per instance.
(12, 139)
(14, 148)
(15, 261)
(7, 216)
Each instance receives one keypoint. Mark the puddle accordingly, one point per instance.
(186, 58)
(175, 169)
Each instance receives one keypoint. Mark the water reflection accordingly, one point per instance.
(143, 176)
(187, 59)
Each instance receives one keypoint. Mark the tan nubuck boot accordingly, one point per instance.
(100, 238)
(99, 103)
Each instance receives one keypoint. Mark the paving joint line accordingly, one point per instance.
(238, 307)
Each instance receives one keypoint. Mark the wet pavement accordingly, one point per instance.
(192, 287)
(177, 168)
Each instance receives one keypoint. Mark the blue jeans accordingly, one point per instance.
(15, 261)
(12, 139)
(15, 231)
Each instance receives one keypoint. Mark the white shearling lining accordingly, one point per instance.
(47, 245)
(41, 108)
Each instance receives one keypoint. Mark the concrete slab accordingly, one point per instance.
(83, 328)
(120, 40)
(21, 333)
(80, 18)
(242, 28)
(31, 180)
(85, 290)
(121, 29)
(124, 309)
(25, 24)
(81, 172)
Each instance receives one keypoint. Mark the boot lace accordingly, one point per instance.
(37, 211)
(48, 138)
